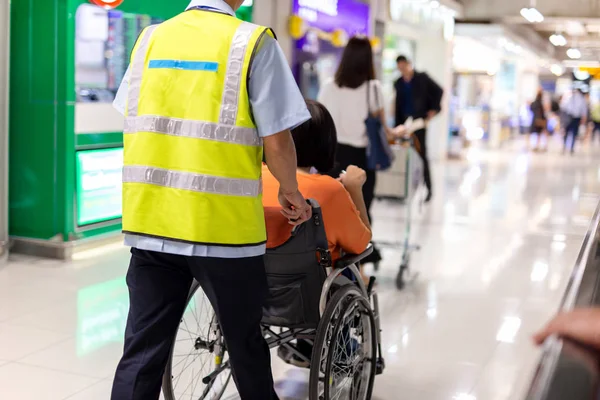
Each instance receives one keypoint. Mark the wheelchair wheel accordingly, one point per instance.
(198, 366)
(344, 359)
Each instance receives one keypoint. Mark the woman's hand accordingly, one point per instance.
(389, 133)
(354, 178)
(582, 325)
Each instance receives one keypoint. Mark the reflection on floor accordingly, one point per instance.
(498, 244)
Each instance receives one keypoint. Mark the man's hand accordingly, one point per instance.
(280, 154)
(400, 131)
(295, 207)
(582, 325)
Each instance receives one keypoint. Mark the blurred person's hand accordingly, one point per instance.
(581, 325)
(295, 207)
(354, 178)
(389, 133)
(431, 114)
(400, 131)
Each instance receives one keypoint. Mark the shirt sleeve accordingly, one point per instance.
(344, 224)
(436, 94)
(121, 98)
(277, 103)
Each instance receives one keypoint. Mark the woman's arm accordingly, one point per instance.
(377, 94)
(353, 180)
(345, 213)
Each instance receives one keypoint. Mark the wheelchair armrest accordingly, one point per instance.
(350, 259)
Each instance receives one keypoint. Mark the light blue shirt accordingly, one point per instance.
(576, 105)
(277, 105)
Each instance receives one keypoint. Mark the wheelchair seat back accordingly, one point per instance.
(296, 272)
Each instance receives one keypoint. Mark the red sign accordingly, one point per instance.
(107, 3)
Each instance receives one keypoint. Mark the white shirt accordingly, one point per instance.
(277, 105)
(349, 110)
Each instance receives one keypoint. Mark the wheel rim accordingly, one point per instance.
(349, 364)
(198, 352)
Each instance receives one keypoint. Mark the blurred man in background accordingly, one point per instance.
(417, 97)
(575, 108)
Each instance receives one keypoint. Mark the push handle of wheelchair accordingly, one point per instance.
(316, 207)
(350, 259)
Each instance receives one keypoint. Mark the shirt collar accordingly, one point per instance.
(218, 4)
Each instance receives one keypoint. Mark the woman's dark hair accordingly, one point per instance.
(357, 65)
(316, 139)
(539, 96)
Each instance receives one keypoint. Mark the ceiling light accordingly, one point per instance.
(434, 4)
(574, 54)
(575, 28)
(532, 15)
(557, 70)
(536, 15)
(558, 40)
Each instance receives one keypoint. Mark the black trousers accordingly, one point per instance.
(348, 155)
(158, 290)
(421, 136)
(572, 130)
(596, 130)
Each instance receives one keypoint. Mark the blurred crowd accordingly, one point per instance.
(575, 116)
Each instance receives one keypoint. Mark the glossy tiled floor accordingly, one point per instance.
(498, 244)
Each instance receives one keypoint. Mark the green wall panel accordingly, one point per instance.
(33, 129)
(42, 142)
(42, 109)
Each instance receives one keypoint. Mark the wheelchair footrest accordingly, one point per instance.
(288, 357)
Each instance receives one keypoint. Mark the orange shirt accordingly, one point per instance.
(345, 230)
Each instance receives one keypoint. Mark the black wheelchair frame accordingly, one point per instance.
(347, 311)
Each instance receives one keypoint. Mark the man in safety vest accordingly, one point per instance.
(205, 93)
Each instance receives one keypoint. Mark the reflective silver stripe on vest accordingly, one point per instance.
(137, 71)
(193, 182)
(193, 129)
(235, 72)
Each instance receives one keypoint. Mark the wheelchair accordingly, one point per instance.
(331, 309)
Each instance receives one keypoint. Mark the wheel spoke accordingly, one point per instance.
(348, 340)
(196, 345)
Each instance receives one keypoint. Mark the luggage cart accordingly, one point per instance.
(413, 180)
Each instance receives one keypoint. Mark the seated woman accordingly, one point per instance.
(341, 200)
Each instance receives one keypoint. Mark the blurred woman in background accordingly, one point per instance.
(350, 97)
(539, 124)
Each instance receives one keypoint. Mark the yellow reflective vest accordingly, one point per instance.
(192, 166)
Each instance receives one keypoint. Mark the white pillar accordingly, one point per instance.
(434, 56)
(275, 14)
(4, 65)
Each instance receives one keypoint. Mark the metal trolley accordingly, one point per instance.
(330, 309)
(403, 183)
